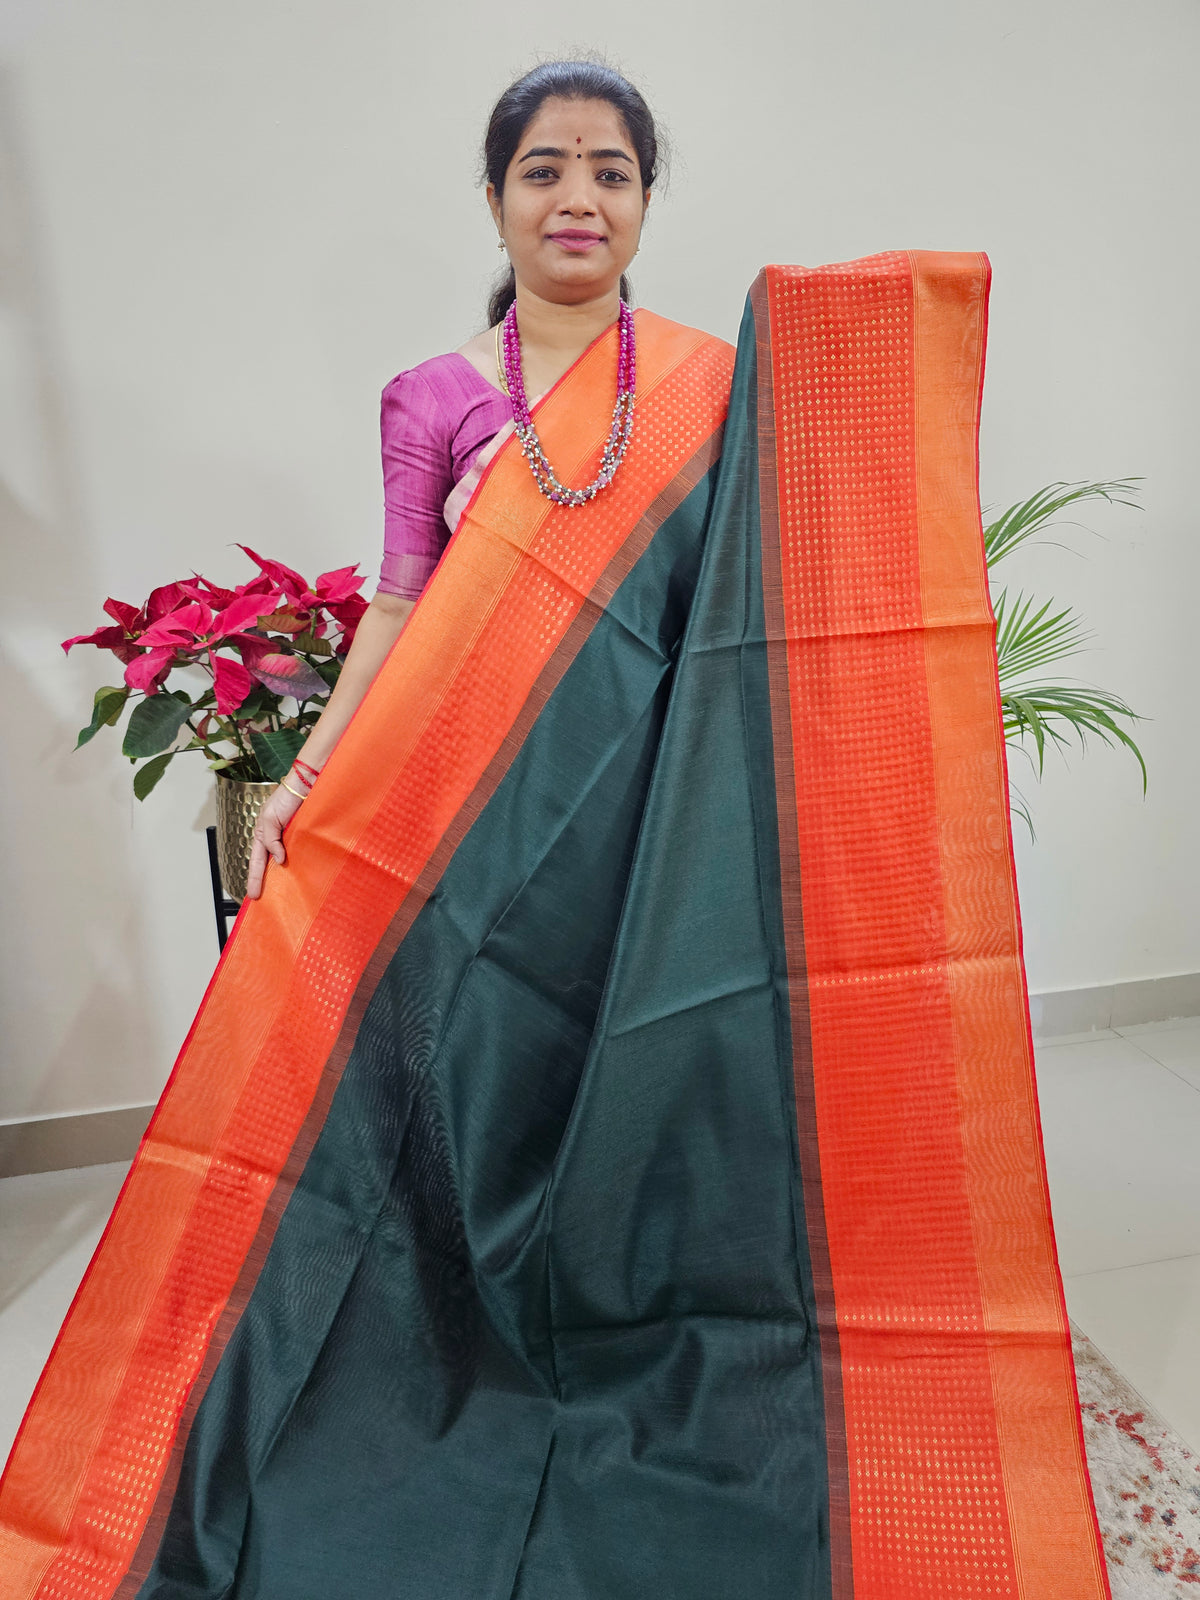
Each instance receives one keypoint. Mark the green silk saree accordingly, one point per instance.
(606, 1161)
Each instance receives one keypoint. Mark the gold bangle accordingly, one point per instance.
(284, 784)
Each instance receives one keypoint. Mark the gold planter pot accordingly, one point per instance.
(238, 805)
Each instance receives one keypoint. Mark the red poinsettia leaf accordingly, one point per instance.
(288, 579)
(165, 599)
(167, 630)
(252, 646)
(130, 617)
(339, 585)
(263, 584)
(149, 670)
(348, 622)
(231, 681)
(180, 627)
(207, 594)
(241, 613)
(103, 639)
(348, 611)
(212, 593)
(289, 675)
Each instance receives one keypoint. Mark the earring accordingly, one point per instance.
(500, 245)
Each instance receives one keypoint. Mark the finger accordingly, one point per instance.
(254, 870)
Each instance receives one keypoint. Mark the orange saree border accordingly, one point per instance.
(516, 592)
(955, 1448)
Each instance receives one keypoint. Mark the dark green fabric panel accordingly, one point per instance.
(689, 1456)
(536, 1321)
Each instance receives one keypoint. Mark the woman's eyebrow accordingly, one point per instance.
(561, 155)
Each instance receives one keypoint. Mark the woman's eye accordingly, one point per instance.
(542, 172)
(621, 177)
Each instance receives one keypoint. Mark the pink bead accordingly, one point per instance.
(622, 422)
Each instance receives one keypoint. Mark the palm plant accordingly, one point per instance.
(1050, 711)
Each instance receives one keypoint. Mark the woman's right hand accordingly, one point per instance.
(277, 812)
(378, 629)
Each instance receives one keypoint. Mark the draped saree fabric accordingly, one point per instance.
(606, 1161)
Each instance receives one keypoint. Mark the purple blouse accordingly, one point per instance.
(434, 419)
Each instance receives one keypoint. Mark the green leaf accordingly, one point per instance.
(148, 774)
(260, 702)
(276, 751)
(311, 645)
(1054, 711)
(330, 670)
(1050, 714)
(106, 708)
(1020, 808)
(1025, 643)
(154, 722)
(1031, 517)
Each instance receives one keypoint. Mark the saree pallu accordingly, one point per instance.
(606, 1161)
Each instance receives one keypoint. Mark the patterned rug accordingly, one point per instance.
(1146, 1483)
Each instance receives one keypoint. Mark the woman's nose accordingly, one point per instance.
(578, 198)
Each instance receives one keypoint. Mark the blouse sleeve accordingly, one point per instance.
(418, 474)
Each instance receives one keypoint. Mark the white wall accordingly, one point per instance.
(224, 227)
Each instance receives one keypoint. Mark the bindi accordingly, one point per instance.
(578, 153)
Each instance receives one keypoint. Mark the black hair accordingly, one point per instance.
(520, 103)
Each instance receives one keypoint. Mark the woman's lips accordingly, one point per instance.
(577, 242)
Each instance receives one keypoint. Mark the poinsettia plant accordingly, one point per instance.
(260, 660)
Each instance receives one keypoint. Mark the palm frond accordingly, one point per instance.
(1019, 807)
(1027, 640)
(1031, 517)
(1051, 713)
(1036, 712)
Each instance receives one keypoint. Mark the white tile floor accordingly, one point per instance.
(1121, 1119)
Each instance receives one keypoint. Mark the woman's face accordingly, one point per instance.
(573, 201)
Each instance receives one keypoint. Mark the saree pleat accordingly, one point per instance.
(606, 1160)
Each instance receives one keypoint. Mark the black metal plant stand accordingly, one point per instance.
(223, 906)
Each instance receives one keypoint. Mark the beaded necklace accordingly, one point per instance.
(622, 419)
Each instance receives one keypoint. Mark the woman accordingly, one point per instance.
(606, 1161)
(571, 156)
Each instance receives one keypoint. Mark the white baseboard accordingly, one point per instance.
(84, 1139)
(1115, 1005)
